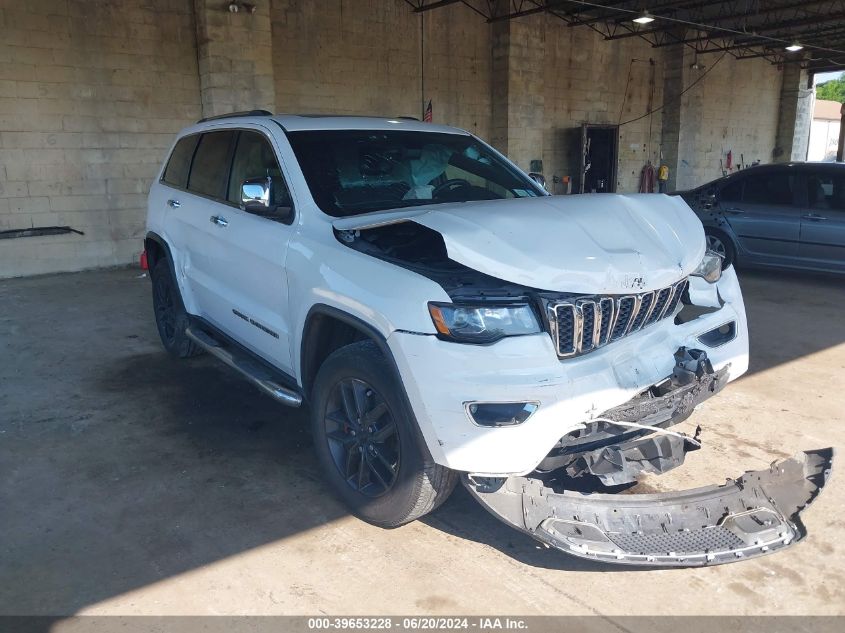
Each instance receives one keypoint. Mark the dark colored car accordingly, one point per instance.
(787, 216)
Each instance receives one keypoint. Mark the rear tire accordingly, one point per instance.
(171, 318)
(719, 242)
(368, 442)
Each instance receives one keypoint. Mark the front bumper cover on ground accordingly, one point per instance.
(755, 514)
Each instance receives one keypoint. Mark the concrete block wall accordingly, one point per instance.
(734, 107)
(591, 80)
(376, 57)
(519, 116)
(235, 55)
(91, 92)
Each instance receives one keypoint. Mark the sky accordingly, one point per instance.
(822, 77)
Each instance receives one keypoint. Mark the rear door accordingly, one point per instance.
(244, 254)
(203, 197)
(764, 212)
(823, 221)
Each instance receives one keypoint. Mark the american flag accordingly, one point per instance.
(427, 114)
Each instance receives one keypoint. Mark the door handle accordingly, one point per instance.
(219, 220)
(174, 204)
(734, 210)
(814, 217)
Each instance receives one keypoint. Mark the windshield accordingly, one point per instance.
(359, 171)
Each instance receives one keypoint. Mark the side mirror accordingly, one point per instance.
(540, 179)
(257, 198)
(255, 195)
(710, 201)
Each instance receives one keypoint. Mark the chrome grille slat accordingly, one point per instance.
(587, 312)
(661, 300)
(606, 324)
(566, 330)
(645, 304)
(624, 314)
(585, 324)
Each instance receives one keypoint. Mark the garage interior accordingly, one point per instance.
(132, 484)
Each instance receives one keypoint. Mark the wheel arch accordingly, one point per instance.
(327, 329)
(157, 247)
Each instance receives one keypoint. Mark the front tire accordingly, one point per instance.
(171, 318)
(367, 441)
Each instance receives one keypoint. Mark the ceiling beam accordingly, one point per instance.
(434, 5)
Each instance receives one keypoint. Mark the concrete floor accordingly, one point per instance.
(131, 483)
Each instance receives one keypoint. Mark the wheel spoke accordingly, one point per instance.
(361, 470)
(384, 461)
(384, 432)
(375, 413)
(348, 397)
(359, 394)
(341, 438)
(375, 471)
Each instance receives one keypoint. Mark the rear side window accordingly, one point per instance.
(826, 191)
(176, 172)
(210, 169)
(775, 188)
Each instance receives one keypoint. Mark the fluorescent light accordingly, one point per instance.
(794, 47)
(644, 18)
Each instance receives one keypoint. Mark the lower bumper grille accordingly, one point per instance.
(582, 325)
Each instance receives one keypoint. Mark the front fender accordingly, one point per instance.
(322, 272)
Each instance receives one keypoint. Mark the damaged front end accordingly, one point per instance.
(752, 515)
(755, 514)
(612, 446)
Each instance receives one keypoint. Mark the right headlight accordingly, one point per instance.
(482, 323)
(710, 268)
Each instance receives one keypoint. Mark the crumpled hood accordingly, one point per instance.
(594, 243)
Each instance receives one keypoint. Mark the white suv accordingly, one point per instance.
(444, 318)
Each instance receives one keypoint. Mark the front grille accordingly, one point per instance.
(587, 323)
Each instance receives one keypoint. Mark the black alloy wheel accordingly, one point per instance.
(362, 437)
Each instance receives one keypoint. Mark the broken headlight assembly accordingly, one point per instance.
(466, 323)
(710, 268)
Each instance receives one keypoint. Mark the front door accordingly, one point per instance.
(823, 222)
(249, 252)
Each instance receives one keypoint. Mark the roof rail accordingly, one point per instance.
(235, 114)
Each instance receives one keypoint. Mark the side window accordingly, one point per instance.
(732, 193)
(254, 158)
(825, 191)
(775, 188)
(176, 172)
(210, 169)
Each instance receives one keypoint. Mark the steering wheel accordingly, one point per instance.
(449, 185)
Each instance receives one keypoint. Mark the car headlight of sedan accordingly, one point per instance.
(710, 268)
(482, 323)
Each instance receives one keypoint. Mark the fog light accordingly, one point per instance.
(500, 413)
(720, 335)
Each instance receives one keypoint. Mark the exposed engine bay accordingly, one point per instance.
(422, 250)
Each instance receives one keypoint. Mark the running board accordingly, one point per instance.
(252, 370)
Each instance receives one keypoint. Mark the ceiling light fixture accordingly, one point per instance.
(794, 47)
(644, 18)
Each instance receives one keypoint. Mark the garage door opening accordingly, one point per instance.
(599, 151)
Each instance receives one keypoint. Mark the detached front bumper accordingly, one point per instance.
(755, 514)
